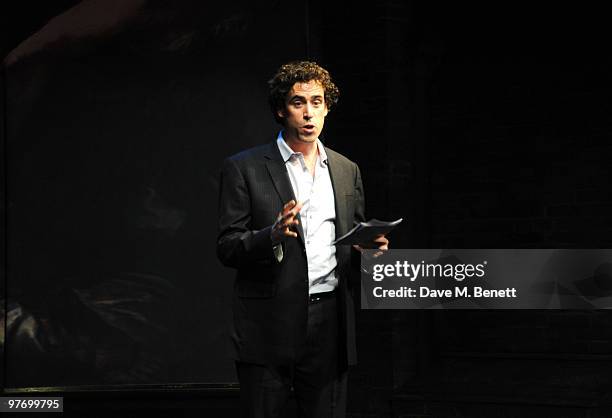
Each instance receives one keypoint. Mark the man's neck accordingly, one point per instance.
(308, 149)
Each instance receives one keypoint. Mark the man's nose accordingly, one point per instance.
(308, 111)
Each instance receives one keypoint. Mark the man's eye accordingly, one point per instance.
(297, 104)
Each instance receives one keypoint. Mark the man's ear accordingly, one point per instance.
(280, 113)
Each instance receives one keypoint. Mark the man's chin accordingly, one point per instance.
(308, 139)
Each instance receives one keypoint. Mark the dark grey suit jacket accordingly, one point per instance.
(270, 301)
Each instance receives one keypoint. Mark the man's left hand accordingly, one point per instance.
(381, 242)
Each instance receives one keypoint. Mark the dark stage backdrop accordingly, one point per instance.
(118, 115)
(483, 125)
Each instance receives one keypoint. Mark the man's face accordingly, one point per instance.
(304, 112)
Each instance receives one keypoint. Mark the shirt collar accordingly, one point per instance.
(287, 152)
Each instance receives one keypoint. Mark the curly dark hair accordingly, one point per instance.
(298, 71)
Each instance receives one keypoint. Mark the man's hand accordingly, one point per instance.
(285, 221)
(381, 242)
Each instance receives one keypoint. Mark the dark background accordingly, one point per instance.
(484, 126)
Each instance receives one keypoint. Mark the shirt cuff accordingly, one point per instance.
(278, 252)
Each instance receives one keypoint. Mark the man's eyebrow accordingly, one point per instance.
(318, 96)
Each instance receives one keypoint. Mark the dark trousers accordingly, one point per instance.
(317, 378)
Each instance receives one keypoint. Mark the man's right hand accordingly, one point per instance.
(285, 221)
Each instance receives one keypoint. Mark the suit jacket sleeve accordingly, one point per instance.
(237, 243)
(359, 216)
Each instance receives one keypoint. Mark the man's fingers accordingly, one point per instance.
(289, 233)
(285, 224)
(287, 218)
(382, 241)
(289, 215)
(290, 209)
(381, 238)
(288, 205)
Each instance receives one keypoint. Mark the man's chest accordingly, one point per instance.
(316, 192)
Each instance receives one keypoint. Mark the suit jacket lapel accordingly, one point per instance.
(280, 179)
(339, 181)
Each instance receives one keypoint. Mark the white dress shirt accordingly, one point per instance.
(317, 215)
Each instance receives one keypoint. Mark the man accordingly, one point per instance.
(281, 206)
